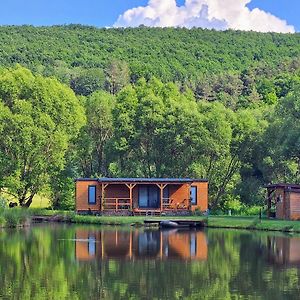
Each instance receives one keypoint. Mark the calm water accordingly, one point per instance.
(71, 262)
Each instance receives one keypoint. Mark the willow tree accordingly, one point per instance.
(38, 117)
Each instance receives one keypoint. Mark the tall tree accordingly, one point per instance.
(93, 141)
(38, 118)
(117, 76)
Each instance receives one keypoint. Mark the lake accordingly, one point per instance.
(88, 262)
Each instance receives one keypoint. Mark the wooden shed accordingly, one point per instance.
(141, 195)
(283, 201)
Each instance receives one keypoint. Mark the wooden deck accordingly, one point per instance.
(176, 223)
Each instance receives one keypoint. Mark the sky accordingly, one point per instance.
(258, 15)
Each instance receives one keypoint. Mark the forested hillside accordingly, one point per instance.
(148, 102)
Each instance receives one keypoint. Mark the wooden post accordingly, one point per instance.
(161, 187)
(103, 187)
(130, 187)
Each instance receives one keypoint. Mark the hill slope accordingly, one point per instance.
(170, 54)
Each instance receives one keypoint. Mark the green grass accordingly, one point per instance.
(233, 222)
(254, 223)
(40, 202)
(14, 217)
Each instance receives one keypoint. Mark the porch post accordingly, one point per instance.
(131, 186)
(103, 187)
(161, 187)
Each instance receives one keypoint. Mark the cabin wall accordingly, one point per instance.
(294, 206)
(178, 193)
(117, 191)
(280, 205)
(82, 203)
(202, 196)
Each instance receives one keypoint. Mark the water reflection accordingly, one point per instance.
(71, 262)
(140, 244)
(284, 251)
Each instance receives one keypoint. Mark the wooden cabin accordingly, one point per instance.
(283, 201)
(141, 195)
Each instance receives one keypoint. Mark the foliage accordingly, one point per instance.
(38, 118)
(157, 102)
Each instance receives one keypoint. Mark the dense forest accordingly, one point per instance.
(81, 101)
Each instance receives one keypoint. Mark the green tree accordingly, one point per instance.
(117, 76)
(38, 117)
(85, 82)
(93, 141)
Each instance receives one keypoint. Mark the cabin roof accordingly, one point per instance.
(145, 180)
(284, 186)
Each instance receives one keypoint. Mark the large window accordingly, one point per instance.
(193, 195)
(92, 194)
(148, 196)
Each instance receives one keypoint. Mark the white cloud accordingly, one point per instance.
(218, 14)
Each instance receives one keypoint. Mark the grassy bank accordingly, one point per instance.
(253, 223)
(17, 217)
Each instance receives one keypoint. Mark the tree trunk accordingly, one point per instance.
(29, 201)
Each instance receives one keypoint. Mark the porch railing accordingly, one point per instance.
(116, 203)
(169, 203)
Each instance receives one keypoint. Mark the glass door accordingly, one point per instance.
(143, 196)
(149, 196)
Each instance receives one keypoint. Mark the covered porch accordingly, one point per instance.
(146, 195)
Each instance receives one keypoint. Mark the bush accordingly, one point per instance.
(251, 210)
(15, 216)
(3, 205)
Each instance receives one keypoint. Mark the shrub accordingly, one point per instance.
(3, 205)
(15, 217)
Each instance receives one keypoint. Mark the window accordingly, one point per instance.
(193, 194)
(149, 196)
(92, 194)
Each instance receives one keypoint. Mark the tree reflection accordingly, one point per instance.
(66, 262)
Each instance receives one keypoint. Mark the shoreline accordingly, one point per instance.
(227, 222)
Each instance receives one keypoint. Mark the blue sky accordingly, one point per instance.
(102, 13)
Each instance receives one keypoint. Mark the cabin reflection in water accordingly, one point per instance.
(284, 251)
(147, 244)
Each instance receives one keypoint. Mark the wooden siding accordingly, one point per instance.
(280, 208)
(294, 206)
(82, 196)
(202, 196)
(178, 193)
(117, 191)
